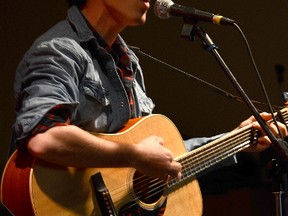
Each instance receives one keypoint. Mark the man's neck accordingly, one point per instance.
(101, 21)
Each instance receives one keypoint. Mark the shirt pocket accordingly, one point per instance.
(146, 104)
(96, 91)
(94, 111)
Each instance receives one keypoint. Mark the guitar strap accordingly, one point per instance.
(12, 146)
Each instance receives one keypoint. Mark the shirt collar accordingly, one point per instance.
(85, 34)
(78, 21)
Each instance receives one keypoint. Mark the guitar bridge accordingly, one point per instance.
(102, 197)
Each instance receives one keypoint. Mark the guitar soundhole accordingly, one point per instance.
(147, 189)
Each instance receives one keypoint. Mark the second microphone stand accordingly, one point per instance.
(190, 30)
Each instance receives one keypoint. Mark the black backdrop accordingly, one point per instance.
(196, 110)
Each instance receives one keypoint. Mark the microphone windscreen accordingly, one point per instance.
(161, 8)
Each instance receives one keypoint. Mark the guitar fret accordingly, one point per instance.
(209, 155)
(212, 153)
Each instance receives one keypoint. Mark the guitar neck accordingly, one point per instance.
(218, 150)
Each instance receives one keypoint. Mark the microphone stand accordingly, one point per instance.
(278, 173)
(278, 184)
(190, 30)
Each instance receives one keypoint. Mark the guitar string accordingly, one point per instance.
(284, 115)
(232, 150)
(151, 195)
(208, 156)
(203, 153)
(209, 152)
(154, 181)
(219, 149)
(162, 185)
(184, 171)
(197, 158)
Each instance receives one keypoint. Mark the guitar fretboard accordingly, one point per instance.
(218, 150)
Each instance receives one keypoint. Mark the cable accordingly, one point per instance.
(259, 78)
(203, 82)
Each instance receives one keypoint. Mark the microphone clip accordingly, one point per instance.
(190, 31)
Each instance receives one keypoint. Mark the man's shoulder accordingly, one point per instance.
(60, 30)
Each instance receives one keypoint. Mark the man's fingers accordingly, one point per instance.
(175, 171)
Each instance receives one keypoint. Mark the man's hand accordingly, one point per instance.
(155, 160)
(263, 140)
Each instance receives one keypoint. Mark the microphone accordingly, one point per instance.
(166, 8)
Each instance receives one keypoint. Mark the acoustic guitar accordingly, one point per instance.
(31, 186)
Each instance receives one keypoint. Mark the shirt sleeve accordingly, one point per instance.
(57, 116)
(48, 75)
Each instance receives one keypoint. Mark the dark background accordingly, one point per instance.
(194, 108)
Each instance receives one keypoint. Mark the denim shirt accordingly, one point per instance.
(67, 66)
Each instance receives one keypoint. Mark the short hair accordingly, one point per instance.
(78, 3)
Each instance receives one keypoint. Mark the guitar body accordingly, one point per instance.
(33, 187)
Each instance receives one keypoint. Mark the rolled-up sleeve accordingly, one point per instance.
(47, 76)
